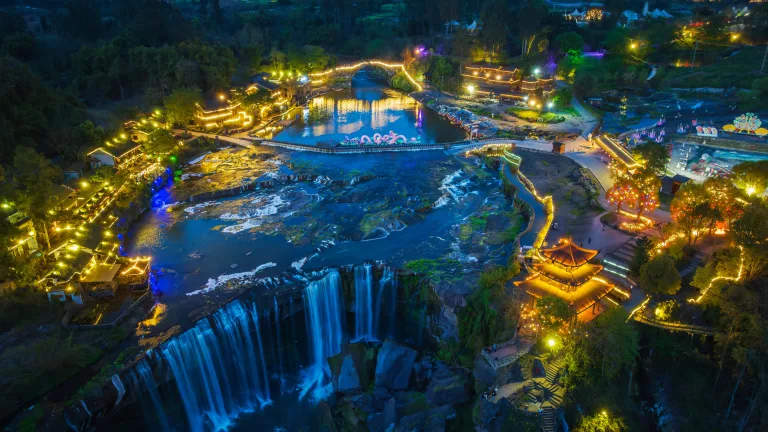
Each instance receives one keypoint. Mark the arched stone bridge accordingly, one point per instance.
(349, 70)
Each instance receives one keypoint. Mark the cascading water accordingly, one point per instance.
(373, 302)
(364, 303)
(145, 384)
(325, 329)
(388, 288)
(219, 371)
(279, 338)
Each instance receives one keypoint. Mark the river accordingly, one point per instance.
(447, 212)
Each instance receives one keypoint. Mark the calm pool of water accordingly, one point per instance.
(368, 108)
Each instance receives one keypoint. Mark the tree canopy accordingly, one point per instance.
(659, 276)
(180, 106)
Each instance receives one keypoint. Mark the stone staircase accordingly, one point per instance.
(548, 420)
(617, 262)
(516, 347)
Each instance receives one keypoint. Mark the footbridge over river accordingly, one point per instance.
(349, 70)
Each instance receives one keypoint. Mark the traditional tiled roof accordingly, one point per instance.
(572, 276)
(569, 254)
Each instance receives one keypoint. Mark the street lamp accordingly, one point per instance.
(537, 71)
(222, 97)
(551, 342)
(471, 89)
(550, 104)
(633, 45)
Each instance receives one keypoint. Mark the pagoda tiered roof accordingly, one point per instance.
(568, 254)
(571, 276)
(585, 296)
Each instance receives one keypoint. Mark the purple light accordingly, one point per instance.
(596, 54)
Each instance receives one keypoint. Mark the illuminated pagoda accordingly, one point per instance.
(565, 271)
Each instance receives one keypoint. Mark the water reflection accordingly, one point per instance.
(367, 108)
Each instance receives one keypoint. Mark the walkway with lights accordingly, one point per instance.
(647, 316)
(616, 151)
(238, 141)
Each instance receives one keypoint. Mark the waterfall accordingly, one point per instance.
(218, 371)
(374, 303)
(261, 352)
(388, 282)
(364, 303)
(144, 383)
(325, 329)
(279, 342)
(120, 388)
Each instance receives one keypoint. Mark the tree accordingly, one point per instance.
(35, 176)
(570, 42)
(647, 185)
(583, 83)
(751, 177)
(553, 312)
(529, 17)
(180, 106)
(602, 422)
(751, 229)
(652, 156)
(160, 141)
(493, 34)
(659, 276)
(643, 247)
(563, 97)
(623, 190)
(616, 342)
(83, 20)
(278, 59)
(690, 195)
(721, 197)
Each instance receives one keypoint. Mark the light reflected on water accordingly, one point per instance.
(158, 314)
(365, 109)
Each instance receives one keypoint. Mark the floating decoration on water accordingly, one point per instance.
(662, 121)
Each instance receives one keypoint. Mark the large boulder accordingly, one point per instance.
(385, 421)
(449, 387)
(432, 420)
(349, 417)
(324, 419)
(422, 372)
(537, 369)
(394, 365)
(347, 381)
(352, 370)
